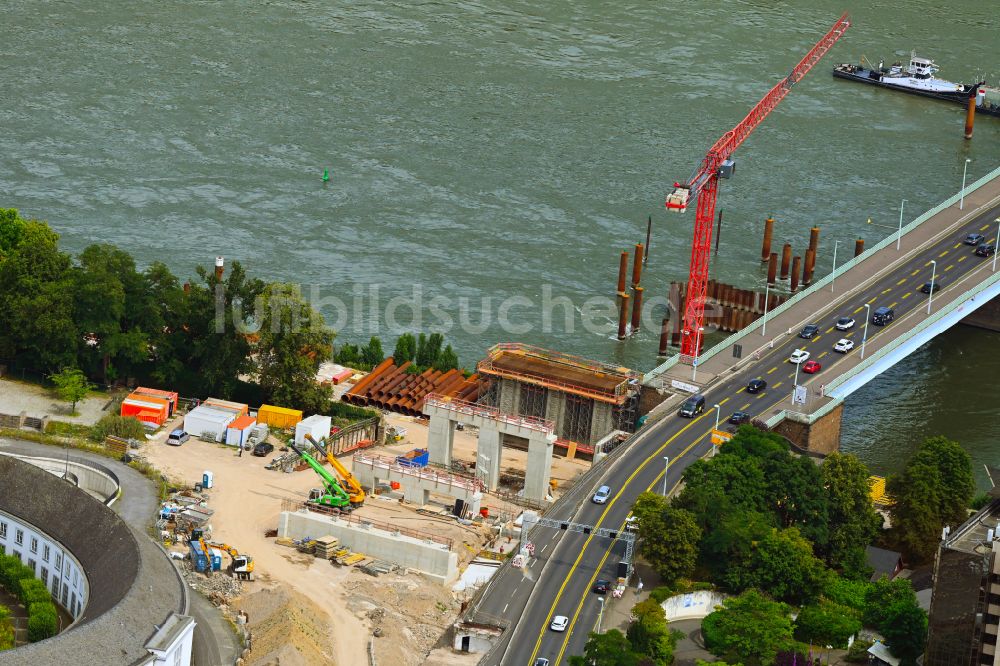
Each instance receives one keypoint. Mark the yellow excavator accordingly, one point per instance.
(349, 483)
(241, 566)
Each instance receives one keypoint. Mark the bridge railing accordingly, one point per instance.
(896, 342)
(825, 280)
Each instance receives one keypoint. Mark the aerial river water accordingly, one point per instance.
(496, 156)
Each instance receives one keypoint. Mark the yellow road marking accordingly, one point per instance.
(984, 227)
(830, 330)
(761, 395)
(776, 385)
(597, 570)
(943, 253)
(744, 406)
(949, 267)
(927, 264)
(892, 305)
(872, 300)
(899, 283)
(772, 370)
(907, 295)
(885, 291)
(860, 308)
(742, 389)
(822, 354)
(963, 257)
(722, 402)
(914, 272)
(816, 339)
(957, 245)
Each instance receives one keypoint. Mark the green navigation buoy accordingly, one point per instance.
(326, 175)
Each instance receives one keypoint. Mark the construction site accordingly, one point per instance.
(380, 528)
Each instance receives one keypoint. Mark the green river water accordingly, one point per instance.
(489, 160)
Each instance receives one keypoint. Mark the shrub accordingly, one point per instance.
(33, 591)
(127, 427)
(661, 594)
(43, 622)
(858, 652)
(6, 630)
(346, 411)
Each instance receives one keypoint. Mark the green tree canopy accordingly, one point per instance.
(750, 628)
(71, 386)
(372, 353)
(406, 349)
(669, 537)
(446, 360)
(827, 623)
(905, 631)
(608, 649)
(884, 594)
(853, 521)
(648, 633)
(782, 563)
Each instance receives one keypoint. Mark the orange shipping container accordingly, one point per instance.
(146, 408)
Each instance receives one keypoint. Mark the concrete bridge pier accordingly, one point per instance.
(986, 316)
(441, 432)
(819, 436)
(489, 449)
(538, 469)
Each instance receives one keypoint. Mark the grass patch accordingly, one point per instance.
(64, 429)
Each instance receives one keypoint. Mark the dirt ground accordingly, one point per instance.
(330, 612)
(37, 401)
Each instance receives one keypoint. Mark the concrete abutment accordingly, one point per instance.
(820, 436)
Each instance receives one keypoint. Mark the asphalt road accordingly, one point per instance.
(566, 565)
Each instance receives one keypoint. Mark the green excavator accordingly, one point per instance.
(333, 494)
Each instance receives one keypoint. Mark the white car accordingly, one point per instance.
(559, 623)
(843, 345)
(602, 495)
(844, 324)
(799, 356)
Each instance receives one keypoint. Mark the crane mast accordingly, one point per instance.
(704, 185)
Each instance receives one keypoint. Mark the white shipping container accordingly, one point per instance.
(204, 419)
(317, 425)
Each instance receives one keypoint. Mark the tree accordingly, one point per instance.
(292, 342)
(958, 486)
(796, 495)
(847, 592)
(853, 522)
(71, 386)
(827, 623)
(406, 349)
(905, 631)
(446, 360)
(883, 595)
(348, 354)
(750, 628)
(783, 564)
(371, 353)
(649, 635)
(609, 649)
(126, 427)
(669, 537)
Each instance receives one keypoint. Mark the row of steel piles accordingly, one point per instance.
(623, 295)
(392, 388)
(729, 309)
(792, 267)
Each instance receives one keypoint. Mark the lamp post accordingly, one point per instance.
(899, 233)
(600, 615)
(697, 348)
(718, 411)
(796, 381)
(666, 468)
(864, 338)
(997, 242)
(763, 329)
(965, 169)
(833, 278)
(930, 296)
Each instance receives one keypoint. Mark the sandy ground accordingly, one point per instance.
(329, 611)
(37, 401)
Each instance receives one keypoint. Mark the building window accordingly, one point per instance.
(3, 530)
(65, 594)
(45, 553)
(17, 555)
(177, 657)
(19, 537)
(79, 607)
(72, 602)
(44, 576)
(55, 586)
(59, 561)
(34, 544)
(31, 565)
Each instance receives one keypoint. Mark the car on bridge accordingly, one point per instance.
(541, 661)
(931, 286)
(811, 367)
(845, 323)
(756, 385)
(883, 316)
(974, 239)
(809, 332)
(844, 345)
(739, 418)
(693, 406)
(799, 356)
(602, 495)
(986, 250)
(602, 587)
(559, 623)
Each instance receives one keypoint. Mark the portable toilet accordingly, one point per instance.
(216, 559)
(207, 479)
(198, 557)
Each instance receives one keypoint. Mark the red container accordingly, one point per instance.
(484, 512)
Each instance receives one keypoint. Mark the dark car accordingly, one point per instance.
(263, 449)
(809, 331)
(974, 239)
(756, 385)
(601, 587)
(931, 286)
(986, 249)
(739, 418)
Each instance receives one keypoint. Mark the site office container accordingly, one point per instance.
(238, 408)
(146, 408)
(317, 426)
(238, 432)
(207, 419)
(170, 396)
(278, 417)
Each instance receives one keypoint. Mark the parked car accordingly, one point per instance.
(601, 587)
(843, 345)
(799, 356)
(739, 418)
(809, 332)
(541, 661)
(756, 385)
(974, 239)
(931, 286)
(811, 367)
(559, 623)
(602, 494)
(177, 437)
(986, 249)
(263, 449)
(845, 323)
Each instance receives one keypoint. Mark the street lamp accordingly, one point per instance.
(899, 233)
(763, 329)
(666, 468)
(697, 348)
(996, 242)
(965, 169)
(600, 615)
(834, 276)
(930, 296)
(864, 338)
(718, 411)
(796, 382)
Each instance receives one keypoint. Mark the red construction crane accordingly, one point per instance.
(704, 185)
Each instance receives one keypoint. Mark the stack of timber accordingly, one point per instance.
(325, 547)
(392, 388)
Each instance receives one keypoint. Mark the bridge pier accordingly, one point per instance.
(441, 439)
(987, 316)
(820, 437)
